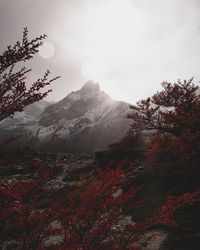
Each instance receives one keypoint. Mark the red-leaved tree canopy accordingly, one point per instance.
(173, 116)
(13, 94)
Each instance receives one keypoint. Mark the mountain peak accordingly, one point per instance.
(90, 89)
(85, 121)
(90, 86)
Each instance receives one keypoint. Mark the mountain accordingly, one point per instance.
(29, 114)
(83, 122)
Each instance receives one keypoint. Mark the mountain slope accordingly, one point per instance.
(30, 113)
(85, 121)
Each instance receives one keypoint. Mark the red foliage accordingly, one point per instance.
(173, 116)
(13, 93)
(20, 218)
(131, 147)
(85, 218)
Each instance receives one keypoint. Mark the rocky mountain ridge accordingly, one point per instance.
(83, 122)
(29, 114)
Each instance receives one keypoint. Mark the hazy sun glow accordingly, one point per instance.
(111, 41)
(128, 46)
(47, 50)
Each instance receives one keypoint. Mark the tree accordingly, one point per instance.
(13, 94)
(171, 121)
(173, 117)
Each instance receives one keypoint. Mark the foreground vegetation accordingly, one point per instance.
(150, 175)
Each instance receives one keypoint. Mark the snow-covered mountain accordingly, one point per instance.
(29, 114)
(85, 121)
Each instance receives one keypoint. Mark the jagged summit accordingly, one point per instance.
(90, 85)
(90, 89)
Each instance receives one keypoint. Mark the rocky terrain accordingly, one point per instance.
(16, 166)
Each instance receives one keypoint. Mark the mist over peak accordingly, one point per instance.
(90, 85)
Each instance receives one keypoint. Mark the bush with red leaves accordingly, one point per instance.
(13, 94)
(173, 116)
(90, 217)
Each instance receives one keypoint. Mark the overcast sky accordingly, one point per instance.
(128, 46)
